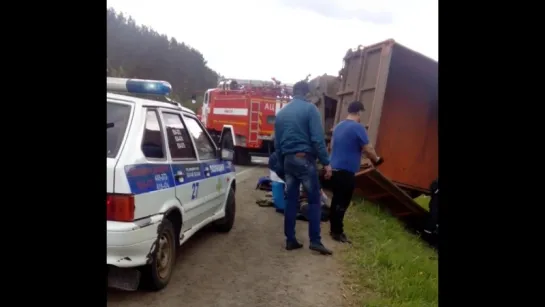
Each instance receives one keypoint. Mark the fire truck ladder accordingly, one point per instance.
(255, 111)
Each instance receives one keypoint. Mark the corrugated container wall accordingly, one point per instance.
(398, 88)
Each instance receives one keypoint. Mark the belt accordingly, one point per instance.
(301, 155)
(342, 170)
(297, 154)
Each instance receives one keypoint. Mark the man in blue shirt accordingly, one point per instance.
(299, 141)
(348, 143)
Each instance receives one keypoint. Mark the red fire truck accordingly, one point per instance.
(241, 114)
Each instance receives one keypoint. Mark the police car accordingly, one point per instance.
(166, 179)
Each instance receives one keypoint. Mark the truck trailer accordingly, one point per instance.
(398, 87)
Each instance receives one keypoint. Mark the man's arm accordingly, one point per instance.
(277, 137)
(363, 140)
(277, 148)
(317, 135)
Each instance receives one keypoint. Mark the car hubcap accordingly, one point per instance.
(164, 256)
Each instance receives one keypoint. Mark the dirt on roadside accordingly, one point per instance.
(248, 266)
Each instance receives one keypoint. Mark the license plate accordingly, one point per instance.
(124, 279)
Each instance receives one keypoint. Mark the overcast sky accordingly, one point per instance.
(286, 39)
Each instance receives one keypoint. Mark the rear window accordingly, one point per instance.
(117, 117)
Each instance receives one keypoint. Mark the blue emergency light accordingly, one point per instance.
(138, 86)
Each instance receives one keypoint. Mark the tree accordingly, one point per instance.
(140, 52)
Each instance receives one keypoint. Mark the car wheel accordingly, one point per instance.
(156, 275)
(226, 223)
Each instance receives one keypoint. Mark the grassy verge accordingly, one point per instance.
(386, 266)
(423, 201)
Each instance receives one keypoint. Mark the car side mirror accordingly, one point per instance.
(193, 98)
(226, 149)
(227, 154)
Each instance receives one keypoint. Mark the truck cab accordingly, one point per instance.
(245, 110)
(205, 108)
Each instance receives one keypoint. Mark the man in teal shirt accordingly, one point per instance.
(299, 141)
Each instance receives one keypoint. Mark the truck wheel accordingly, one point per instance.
(156, 275)
(225, 224)
(242, 156)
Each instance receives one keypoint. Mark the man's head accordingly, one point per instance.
(354, 110)
(301, 88)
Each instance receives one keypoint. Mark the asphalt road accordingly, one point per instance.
(247, 267)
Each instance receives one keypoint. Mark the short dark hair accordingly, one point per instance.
(355, 107)
(301, 88)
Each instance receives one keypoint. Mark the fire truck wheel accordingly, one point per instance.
(242, 156)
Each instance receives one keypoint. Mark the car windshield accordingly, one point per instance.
(117, 117)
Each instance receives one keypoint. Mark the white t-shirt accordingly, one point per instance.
(274, 177)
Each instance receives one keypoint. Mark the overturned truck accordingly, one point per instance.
(398, 88)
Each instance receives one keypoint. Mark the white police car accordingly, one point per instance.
(165, 180)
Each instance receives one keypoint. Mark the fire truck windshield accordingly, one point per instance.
(270, 119)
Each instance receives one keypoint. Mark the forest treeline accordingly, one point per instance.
(140, 52)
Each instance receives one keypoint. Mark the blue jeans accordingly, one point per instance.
(302, 170)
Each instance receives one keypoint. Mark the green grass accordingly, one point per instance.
(386, 265)
(423, 201)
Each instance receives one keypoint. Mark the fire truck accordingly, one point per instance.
(241, 114)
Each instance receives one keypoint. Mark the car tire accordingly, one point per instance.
(157, 274)
(226, 223)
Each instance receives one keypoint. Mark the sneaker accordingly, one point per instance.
(345, 239)
(340, 238)
(293, 245)
(320, 248)
(335, 236)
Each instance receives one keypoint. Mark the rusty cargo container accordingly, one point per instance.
(398, 88)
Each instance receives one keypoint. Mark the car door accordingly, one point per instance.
(215, 170)
(189, 177)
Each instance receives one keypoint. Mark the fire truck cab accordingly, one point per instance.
(243, 111)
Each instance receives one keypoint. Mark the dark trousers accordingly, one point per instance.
(342, 185)
(434, 210)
